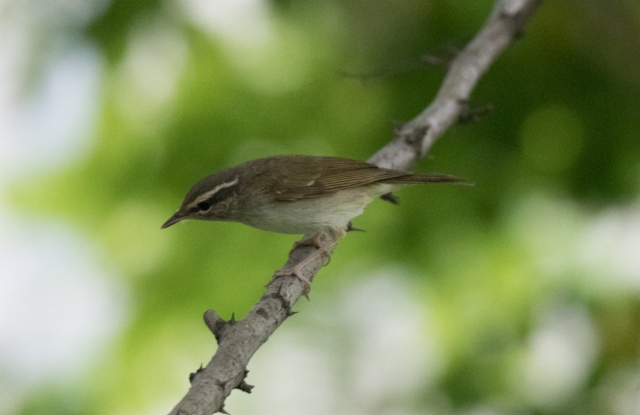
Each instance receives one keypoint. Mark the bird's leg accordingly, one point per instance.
(322, 248)
(315, 241)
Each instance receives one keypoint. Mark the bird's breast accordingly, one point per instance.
(310, 215)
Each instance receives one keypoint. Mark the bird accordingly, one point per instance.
(296, 194)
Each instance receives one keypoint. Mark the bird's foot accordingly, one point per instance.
(295, 271)
(322, 248)
(314, 241)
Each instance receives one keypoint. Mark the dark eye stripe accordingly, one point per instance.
(222, 194)
(217, 197)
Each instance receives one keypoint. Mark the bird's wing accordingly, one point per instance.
(318, 176)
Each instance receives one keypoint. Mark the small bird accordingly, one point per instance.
(296, 194)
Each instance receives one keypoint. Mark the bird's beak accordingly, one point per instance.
(177, 217)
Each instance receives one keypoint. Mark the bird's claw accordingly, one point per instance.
(295, 271)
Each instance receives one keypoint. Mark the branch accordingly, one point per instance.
(414, 139)
(239, 340)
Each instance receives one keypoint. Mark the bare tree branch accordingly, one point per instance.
(239, 340)
(414, 139)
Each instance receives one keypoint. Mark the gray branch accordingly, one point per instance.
(239, 340)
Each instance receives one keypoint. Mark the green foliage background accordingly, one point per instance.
(560, 147)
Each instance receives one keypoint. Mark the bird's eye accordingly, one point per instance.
(204, 206)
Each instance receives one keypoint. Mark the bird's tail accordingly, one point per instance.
(428, 178)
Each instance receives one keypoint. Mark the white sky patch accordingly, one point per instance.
(50, 126)
(392, 356)
(601, 250)
(58, 306)
(147, 78)
(242, 22)
(611, 245)
(44, 122)
(560, 356)
(272, 58)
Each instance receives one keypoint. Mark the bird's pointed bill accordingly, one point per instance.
(177, 217)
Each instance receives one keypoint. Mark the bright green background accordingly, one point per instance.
(496, 272)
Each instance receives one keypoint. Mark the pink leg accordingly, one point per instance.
(321, 249)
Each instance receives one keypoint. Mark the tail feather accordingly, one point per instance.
(428, 178)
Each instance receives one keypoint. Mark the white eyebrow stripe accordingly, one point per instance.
(215, 190)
